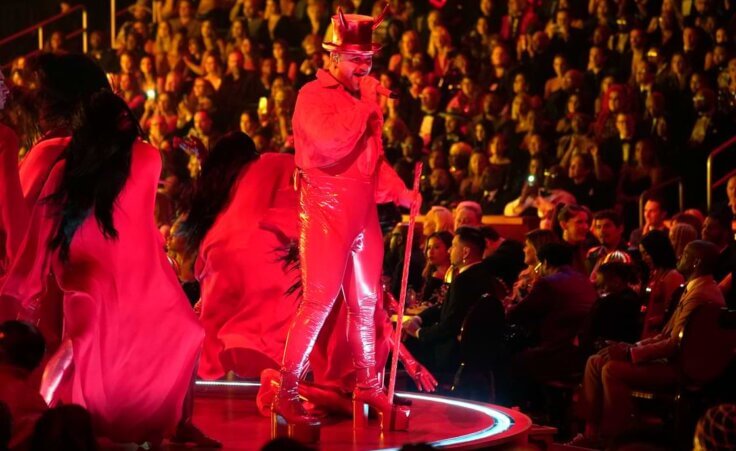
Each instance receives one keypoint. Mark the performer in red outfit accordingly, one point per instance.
(243, 213)
(342, 173)
(243, 225)
(92, 232)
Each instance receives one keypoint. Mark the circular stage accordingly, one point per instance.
(227, 412)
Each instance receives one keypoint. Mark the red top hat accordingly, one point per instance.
(353, 33)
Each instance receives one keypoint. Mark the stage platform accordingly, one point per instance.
(227, 411)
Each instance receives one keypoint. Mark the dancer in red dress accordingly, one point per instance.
(243, 225)
(243, 213)
(342, 173)
(92, 232)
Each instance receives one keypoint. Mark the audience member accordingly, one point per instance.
(469, 214)
(438, 219)
(615, 371)
(504, 265)
(535, 240)
(615, 315)
(608, 228)
(436, 328)
(67, 427)
(659, 258)
(437, 251)
(716, 430)
(574, 223)
(21, 349)
(654, 216)
(552, 314)
(717, 230)
(493, 239)
(681, 234)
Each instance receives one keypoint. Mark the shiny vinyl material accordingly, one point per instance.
(340, 246)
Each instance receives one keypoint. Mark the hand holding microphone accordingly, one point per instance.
(384, 91)
(370, 86)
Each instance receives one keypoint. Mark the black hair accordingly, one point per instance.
(60, 95)
(586, 158)
(658, 246)
(98, 157)
(722, 216)
(570, 211)
(708, 253)
(687, 218)
(509, 258)
(445, 237)
(489, 232)
(539, 237)
(65, 427)
(609, 214)
(623, 270)
(21, 344)
(563, 213)
(658, 199)
(473, 237)
(220, 171)
(98, 160)
(556, 254)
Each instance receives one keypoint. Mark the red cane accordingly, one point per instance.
(404, 283)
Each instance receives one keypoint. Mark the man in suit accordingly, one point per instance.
(553, 314)
(654, 216)
(437, 328)
(520, 20)
(608, 228)
(619, 150)
(431, 124)
(717, 230)
(616, 371)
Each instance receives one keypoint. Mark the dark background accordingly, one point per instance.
(16, 15)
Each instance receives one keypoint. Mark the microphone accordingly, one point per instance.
(382, 90)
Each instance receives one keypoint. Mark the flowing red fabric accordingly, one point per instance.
(35, 168)
(135, 339)
(20, 188)
(245, 310)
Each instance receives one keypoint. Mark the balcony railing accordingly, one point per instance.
(40, 28)
(712, 185)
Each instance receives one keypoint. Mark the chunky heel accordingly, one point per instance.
(368, 395)
(361, 411)
(398, 419)
(393, 418)
(301, 432)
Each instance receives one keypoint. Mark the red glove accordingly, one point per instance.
(424, 380)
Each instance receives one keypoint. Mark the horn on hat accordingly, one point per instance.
(377, 21)
(341, 15)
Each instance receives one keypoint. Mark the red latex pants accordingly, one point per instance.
(340, 247)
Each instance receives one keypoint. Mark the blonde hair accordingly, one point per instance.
(442, 219)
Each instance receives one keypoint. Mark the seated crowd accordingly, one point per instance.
(566, 111)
